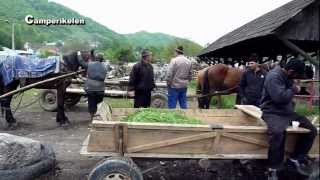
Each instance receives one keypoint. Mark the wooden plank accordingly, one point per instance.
(116, 136)
(204, 156)
(125, 136)
(245, 139)
(171, 142)
(106, 92)
(102, 141)
(191, 127)
(84, 150)
(216, 142)
(252, 111)
(33, 85)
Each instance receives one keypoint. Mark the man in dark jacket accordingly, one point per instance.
(94, 85)
(251, 84)
(278, 113)
(141, 81)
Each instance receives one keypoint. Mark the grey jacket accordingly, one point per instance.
(179, 72)
(96, 74)
(277, 93)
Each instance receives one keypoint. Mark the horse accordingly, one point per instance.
(216, 79)
(68, 63)
(221, 79)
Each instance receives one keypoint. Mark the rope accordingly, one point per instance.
(31, 103)
(21, 96)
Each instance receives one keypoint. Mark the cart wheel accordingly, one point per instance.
(159, 100)
(116, 168)
(48, 100)
(71, 99)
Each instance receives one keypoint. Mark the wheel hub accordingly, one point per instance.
(117, 176)
(50, 98)
(158, 103)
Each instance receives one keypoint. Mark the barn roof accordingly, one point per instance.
(258, 29)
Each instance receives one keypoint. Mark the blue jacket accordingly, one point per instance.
(277, 93)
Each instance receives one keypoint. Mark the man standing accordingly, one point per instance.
(178, 76)
(94, 85)
(278, 113)
(251, 84)
(141, 81)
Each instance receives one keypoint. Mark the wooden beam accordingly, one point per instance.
(171, 142)
(216, 143)
(245, 139)
(296, 49)
(252, 111)
(30, 86)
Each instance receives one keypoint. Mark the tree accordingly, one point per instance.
(72, 45)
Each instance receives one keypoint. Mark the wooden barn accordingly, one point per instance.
(290, 30)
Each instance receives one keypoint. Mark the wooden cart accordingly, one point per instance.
(225, 134)
(114, 88)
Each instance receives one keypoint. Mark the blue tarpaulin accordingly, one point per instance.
(16, 66)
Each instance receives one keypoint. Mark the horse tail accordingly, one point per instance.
(206, 86)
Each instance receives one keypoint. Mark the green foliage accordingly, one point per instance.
(162, 45)
(44, 53)
(304, 110)
(115, 46)
(192, 85)
(227, 101)
(119, 102)
(160, 116)
(16, 10)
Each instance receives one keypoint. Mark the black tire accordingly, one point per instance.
(46, 164)
(159, 100)
(48, 100)
(116, 167)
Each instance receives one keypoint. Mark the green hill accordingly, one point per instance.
(162, 44)
(16, 10)
(144, 38)
(112, 43)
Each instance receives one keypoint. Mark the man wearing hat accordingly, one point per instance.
(251, 83)
(278, 113)
(178, 76)
(141, 81)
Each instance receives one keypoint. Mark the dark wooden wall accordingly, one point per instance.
(304, 26)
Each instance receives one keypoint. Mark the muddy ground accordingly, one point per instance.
(40, 125)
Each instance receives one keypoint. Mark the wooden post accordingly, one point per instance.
(218, 101)
(296, 49)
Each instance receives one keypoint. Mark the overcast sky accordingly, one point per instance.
(202, 21)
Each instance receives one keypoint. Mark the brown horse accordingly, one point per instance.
(223, 80)
(69, 63)
(217, 79)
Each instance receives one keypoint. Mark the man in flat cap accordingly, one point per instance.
(141, 81)
(178, 76)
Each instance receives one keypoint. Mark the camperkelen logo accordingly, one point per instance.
(30, 20)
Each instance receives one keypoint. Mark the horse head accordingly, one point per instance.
(72, 62)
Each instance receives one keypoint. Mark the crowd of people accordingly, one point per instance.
(272, 91)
